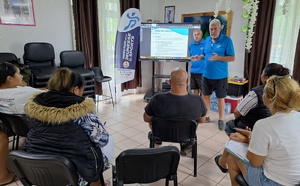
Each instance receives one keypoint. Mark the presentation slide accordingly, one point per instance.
(169, 41)
(166, 41)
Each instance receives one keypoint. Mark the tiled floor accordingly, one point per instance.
(125, 123)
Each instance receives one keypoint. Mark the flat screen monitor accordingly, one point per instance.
(166, 41)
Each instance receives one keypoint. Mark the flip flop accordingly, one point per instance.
(220, 167)
(11, 178)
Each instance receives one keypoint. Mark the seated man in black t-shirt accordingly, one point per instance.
(177, 103)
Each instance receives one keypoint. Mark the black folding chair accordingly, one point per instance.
(176, 131)
(42, 169)
(75, 60)
(18, 123)
(146, 165)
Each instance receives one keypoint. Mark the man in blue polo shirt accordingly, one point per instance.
(197, 67)
(218, 51)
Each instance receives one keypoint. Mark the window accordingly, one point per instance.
(109, 16)
(285, 33)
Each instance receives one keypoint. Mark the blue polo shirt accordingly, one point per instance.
(197, 67)
(223, 47)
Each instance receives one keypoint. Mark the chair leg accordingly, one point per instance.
(13, 145)
(175, 181)
(17, 142)
(114, 176)
(102, 180)
(96, 101)
(194, 152)
(167, 182)
(111, 96)
(32, 80)
(151, 144)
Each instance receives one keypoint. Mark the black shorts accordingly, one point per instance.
(196, 81)
(7, 129)
(220, 86)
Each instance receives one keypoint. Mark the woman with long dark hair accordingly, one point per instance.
(13, 95)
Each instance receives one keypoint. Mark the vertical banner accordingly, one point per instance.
(126, 47)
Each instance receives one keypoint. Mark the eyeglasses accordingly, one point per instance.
(275, 80)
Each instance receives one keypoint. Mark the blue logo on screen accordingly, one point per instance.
(133, 20)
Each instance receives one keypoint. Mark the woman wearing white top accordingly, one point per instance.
(13, 95)
(274, 143)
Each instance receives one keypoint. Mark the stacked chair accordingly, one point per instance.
(40, 58)
(75, 60)
(12, 58)
(7, 57)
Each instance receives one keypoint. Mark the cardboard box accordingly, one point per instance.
(233, 101)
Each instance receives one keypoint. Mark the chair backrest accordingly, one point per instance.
(18, 123)
(72, 59)
(146, 165)
(174, 130)
(38, 54)
(8, 57)
(42, 169)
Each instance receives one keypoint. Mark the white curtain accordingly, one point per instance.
(109, 16)
(285, 33)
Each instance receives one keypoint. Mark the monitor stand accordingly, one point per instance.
(151, 92)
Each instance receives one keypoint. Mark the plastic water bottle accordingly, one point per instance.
(227, 108)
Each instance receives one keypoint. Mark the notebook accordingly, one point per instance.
(238, 149)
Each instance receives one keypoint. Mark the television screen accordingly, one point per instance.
(166, 41)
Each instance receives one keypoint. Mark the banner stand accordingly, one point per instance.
(126, 46)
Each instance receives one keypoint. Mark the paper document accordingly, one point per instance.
(238, 149)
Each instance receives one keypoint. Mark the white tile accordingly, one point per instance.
(118, 137)
(125, 122)
(198, 181)
(121, 118)
(119, 127)
(205, 153)
(225, 181)
(127, 144)
(211, 171)
(131, 122)
(213, 145)
(141, 138)
(130, 132)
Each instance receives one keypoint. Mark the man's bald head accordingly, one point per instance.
(179, 76)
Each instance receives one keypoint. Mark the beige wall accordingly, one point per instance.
(154, 10)
(53, 25)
